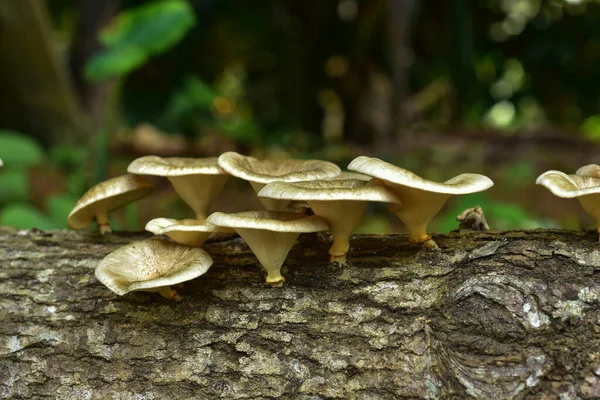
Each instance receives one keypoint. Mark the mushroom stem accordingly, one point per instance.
(271, 249)
(103, 224)
(198, 191)
(269, 204)
(169, 293)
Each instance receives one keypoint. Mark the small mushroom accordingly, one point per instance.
(105, 197)
(342, 203)
(270, 235)
(261, 172)
(1, 163)
(584, 185)
(421, 199)
(152, 265)
(198, 181)
(190, 232)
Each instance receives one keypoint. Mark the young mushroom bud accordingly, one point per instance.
(342, 203)
(270, 235)
(198, 181)
(421, 199)
(105, 197)
(584, 185)
(190, 232)
(152, 265)
(261, 172)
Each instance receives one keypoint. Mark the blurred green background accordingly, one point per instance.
(507, 88)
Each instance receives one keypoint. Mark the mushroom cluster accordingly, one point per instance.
(300, 196)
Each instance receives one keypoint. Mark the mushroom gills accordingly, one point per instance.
(190, 188)
(271, 249)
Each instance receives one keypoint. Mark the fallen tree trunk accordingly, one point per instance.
(491, 315)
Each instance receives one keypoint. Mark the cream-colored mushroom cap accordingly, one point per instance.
(342, 203)
(570, 186)
(190, 232)
(421, 199)
(261, 172)
(351, 175)
(461, 184)
(270, 235)
(198, 181)
(151, 265)
(106, 196)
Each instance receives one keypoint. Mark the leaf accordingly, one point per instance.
(59, 207)
(23, 216)
(14, 185)
(16, 149)
(114, 62)
(138, 33)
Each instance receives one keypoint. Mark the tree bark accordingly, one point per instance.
(491, 315)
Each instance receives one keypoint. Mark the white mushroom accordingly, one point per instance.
(261, 172)
(421, 199)
(152, 265)
(270, 235)
(342, 203)
(190, 232)
(198, 181)
(107, 196)
(584, 185)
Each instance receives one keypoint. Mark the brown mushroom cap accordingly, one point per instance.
(107, 196)
(150, 265)
(190, 232)
(198, 181)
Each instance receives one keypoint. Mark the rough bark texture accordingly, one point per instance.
(491, 315)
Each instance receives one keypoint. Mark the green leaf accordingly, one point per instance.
(59, 207)
(114, 62)
(14, 185)
(139, 33)
(16, 149)
(23, 216)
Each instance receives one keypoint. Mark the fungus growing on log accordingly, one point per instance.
(342, 203)
(583, 185)
(261, 172)
(98, 201)
(190, 232)
(421, 199)
(270, 235)
(152, 265)
(198, 181)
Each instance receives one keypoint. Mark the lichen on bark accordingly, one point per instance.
(490, 315)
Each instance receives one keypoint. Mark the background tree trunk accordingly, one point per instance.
(492, 315)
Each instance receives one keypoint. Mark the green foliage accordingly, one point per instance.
(14, 185)
(18, 150)
(139, 33)
(24, 216)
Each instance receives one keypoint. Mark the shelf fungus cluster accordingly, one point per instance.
(300, 196)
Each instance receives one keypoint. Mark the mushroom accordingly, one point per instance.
(342, 203)
(421, 199)
(152, 265)
(584, 185)
(270, 235)
(105, 197)
(190, 232)
(198, 181)
(351, 175)
(261, 172)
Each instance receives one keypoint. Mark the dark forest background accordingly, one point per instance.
(507, 88)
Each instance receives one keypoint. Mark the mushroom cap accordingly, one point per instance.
(151, 263)
(461, 184)
(592, 170)
(330, 190)
(174, 166)
(278, 221)
(107, 196)
(569, 186)
(267, 171)
(351, 175)
(161, 226)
